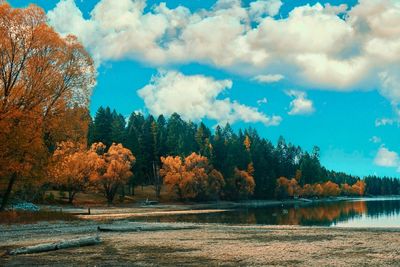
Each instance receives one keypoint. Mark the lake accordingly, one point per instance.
(365, 212)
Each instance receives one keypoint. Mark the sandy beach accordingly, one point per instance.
(207, 244)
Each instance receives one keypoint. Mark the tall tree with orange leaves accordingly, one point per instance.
(42, 77)
(110, 169)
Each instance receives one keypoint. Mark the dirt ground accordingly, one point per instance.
(207, 245)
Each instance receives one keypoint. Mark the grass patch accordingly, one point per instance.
(28, 217)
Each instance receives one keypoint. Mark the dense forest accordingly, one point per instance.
(151, 138)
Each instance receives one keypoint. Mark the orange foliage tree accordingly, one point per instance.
(287, 188)
(330, 189)
(242, 183)
(359, 188)
(42, 77)
(191, 178)
(110, 169)
(70, 168)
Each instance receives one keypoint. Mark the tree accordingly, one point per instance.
(359, 188)
(70, 168)
(287, 188)
(330, 189)
(42, 76)
(194, 178)
(112, 169)
(102, 126)
(242, 185)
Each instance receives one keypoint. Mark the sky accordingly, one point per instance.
(323, 73)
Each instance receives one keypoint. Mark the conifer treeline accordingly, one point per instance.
(151, 138)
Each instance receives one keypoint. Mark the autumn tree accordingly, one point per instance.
(111, 168)
(70, 168)
(359, 188)
(330, 189)
(243, 184)
(191, 178)
(287, 188)
(42, 76)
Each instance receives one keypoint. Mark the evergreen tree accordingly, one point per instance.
(102, 130)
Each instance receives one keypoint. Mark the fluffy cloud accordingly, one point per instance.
(300, 105)
(386, 158)
(360, 49)
(268, 78)
(195, 97)
(260, 9)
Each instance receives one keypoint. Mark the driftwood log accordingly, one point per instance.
(72, 243)
(144, 228)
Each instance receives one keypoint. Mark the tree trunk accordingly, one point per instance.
(8, 191)
(80, 242)
(110, 194)
(133, 189)
(71, 196)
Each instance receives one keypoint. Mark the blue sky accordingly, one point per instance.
(315, 72)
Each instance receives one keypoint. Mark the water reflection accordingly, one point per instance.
(359, 213)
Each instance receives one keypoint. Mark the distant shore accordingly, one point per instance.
(118, 212)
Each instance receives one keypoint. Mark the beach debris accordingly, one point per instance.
(72, 243)
(144, 228)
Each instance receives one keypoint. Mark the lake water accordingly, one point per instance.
(368, 212)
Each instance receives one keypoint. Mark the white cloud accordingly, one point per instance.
(262, 101)
(300, 105)
(386, 158)
(384, 122)
(268, 78)
(314, 46)
(375, 139)
(195, 98)
(263, 8)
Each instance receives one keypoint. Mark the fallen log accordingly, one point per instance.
(143, 228)
(80, 242)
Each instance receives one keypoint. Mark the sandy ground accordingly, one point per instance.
(207, 245)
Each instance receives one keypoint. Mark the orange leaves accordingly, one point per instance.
(75, 167)
(70, 168)
(193, 178)
(112, 168)
(290, 188)
(247, 143)
(330, 189)
(45, 80)
(244, 183)
(357, 189)
(287, 188)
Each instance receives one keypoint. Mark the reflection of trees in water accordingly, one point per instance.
(379, 208)
(323, 214)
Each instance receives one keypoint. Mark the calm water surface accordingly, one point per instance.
(368, 212)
